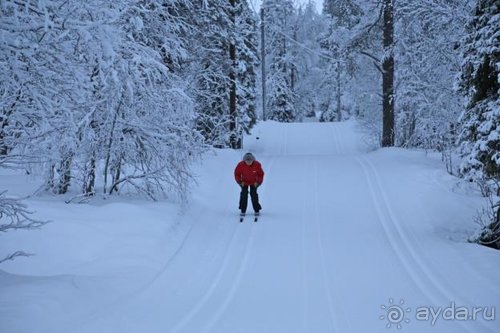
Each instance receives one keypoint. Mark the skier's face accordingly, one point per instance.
(248, 161)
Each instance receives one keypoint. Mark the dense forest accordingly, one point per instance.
(100, 97)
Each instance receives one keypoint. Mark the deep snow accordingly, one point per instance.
(343, 233)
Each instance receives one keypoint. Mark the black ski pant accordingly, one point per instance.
(244, 198)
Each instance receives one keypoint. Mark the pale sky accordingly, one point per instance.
(319, 3)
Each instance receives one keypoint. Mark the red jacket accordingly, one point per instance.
(249, 174)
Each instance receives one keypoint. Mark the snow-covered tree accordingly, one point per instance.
(308, 60)
(426, 51)
(280, 99)
(480, 122)
(480, 131)
(152, 121)
(96, 95)
(428, 57)
(43, 82)
(211, 66)
(342, 17)
(243, 57)
(372, 87)
(246, 65)
(224, 48)
(363, 90)
(14, 215)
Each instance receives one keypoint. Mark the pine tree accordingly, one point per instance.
(247, 64)
(211, 66)
(281, 97)
(342, 17)
(343, 13)
(307, 57)
(243, 57)
(224, 49)
(480, 122)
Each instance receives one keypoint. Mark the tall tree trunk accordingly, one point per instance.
(339, 94)
(50, 178)
(293, 69)
(90, 165)
(64, 174)
(283, 38)
(110, 145)
(4, 123)
(388, 130)
(4, 149)
(89, 176)
(116, 175)
(263, 61)
(232, 78)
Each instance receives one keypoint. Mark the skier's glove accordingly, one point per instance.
(256, 185)
(242, 184)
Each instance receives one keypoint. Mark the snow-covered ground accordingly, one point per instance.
(347, 238)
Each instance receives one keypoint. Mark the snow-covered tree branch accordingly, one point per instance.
(14, 215)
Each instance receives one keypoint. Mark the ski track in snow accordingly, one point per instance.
(241, 236)
(214, 284)
(376, 192)
(397, 238)
(333, 318)
(391, 237)
(236, 282)
(341, 299)
(300, 262)
(127, 297)
(424, 278)
(304, 285)
(432, 282)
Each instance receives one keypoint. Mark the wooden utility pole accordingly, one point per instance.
(388, 130)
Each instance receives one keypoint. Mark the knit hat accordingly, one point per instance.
(248, 157)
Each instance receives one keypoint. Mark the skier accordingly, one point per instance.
(249, 173)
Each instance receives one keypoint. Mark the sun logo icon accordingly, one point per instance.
(395, 314)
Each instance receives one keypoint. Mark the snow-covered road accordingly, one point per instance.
(343, 234)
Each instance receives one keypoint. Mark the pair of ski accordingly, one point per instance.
(255, 217)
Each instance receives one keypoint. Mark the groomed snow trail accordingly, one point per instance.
(342, 233)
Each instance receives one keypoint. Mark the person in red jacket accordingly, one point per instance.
(249, 174)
